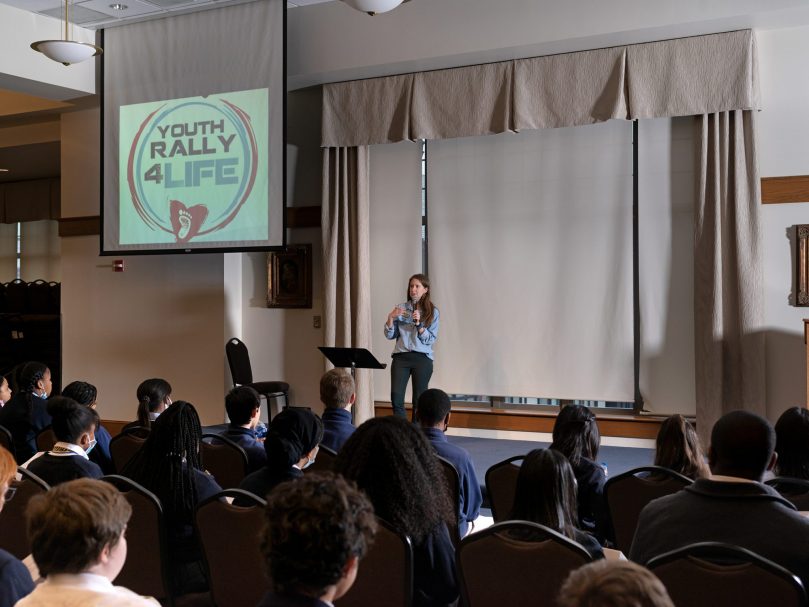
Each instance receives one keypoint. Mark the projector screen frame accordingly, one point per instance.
(180, 251)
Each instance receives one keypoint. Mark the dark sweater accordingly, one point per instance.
(337, 428)
(750, 515)
(15, 581)
(25, 416)
(56, 468)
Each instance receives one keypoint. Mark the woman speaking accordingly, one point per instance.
(414, 326)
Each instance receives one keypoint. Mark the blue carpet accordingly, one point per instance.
(486, 452)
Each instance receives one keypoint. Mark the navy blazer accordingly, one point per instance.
(246, 439)
(25, 420)
(263, 481)
(337, 427)
(471, 498)
(15, 581)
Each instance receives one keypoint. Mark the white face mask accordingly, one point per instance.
(92, 444)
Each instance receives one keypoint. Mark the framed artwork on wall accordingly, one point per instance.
(289, 277)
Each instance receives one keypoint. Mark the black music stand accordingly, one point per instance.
(351, 358)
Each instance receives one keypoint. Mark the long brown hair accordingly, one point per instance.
(679, 448)
(425, 303)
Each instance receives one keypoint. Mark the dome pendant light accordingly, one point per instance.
(372, 7)
(66, 51)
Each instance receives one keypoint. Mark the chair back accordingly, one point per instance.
(146, 569)
(224, 459)
(385, 575)
(453, 480)
(46, 439)
(796, 490)
(501, 485)
(712, 574)
(123, 448)
(239, 362)
(226, 530)
(628, 493)
(6, 441)
(324, 462)
(13, 526)
(498, 569)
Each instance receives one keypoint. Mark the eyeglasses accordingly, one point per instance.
(10, 492)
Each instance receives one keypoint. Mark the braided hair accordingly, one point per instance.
(27, 379)
(152, 393)
(166, 462)
(82, 392)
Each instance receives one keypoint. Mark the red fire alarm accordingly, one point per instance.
(118, 265)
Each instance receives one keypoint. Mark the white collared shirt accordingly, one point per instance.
(60, 449)
(83, 590)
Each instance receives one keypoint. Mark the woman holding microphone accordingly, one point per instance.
(414, 326)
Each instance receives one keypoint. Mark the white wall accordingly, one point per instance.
(24, 70)
(162, 317)
(783, 132)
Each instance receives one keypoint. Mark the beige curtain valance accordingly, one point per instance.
(686, 76)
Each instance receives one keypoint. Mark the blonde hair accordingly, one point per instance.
(336, 388)
(8, 467)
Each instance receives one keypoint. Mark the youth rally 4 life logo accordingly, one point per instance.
(192, 166)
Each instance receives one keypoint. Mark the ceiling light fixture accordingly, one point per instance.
(118, 7)
(372, 7)
(66, 51)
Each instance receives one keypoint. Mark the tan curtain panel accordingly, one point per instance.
(570, 90)
(728, 301)
(363, 112)
(475, 100)
(693, 76)
(688, 76)
(346, 258)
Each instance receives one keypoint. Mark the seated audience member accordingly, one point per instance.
(78, 542)
(15, 581)
(291, 444)
(87, 395)
(576, 436)
(154, 397)
(74, 428)
(731, 506)
(26, 415)
(792, 443)
(243, 406)
(613, 584)
(169, 466)
(433, 413)
(317, 531)
(679, 448)
(337, 394)
(546, 494)
(5, 391)
(392, 462)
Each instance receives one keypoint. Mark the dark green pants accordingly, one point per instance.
(406, 365)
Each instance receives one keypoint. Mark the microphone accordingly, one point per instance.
(415, 305)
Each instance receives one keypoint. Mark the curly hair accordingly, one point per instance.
(575, 434)
(165, 463)
(314, 526)
(679, 448)
(392, 461)
(792, 443)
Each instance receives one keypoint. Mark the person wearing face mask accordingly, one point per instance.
(5, 392)
(292, 442)
(414, 327)
(26, 414)
(74, 427)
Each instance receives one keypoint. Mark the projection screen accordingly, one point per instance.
(193, 132)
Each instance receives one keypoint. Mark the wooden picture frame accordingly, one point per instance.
(802, 264)
(289, 277)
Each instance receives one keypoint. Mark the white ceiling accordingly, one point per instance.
(98, 14)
